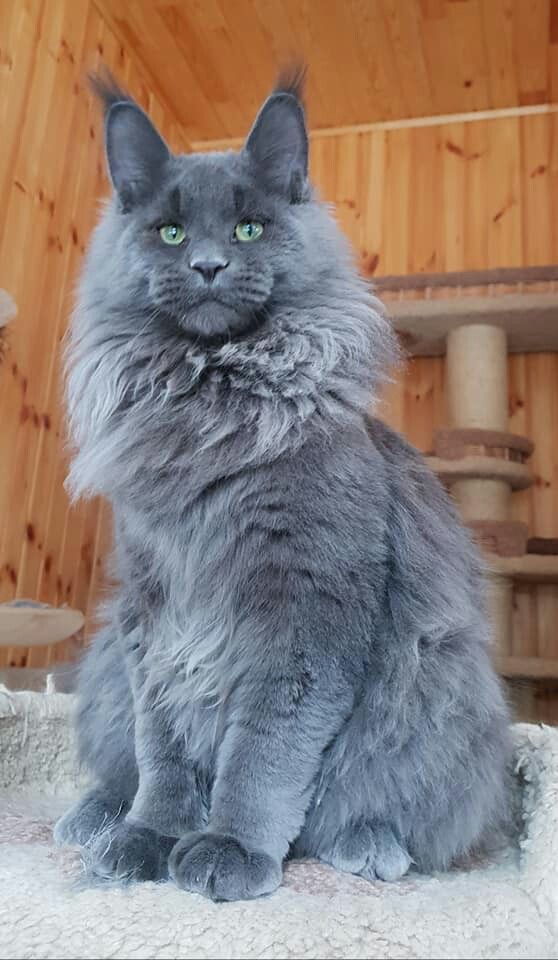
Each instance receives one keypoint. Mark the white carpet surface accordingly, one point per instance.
(503, 908)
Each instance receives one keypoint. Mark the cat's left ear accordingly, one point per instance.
(278, 145)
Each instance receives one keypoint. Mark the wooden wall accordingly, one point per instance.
(460, 196)
(51, 173)
(441, 197)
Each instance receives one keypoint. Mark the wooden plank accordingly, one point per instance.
(503, 209)
(346, 179)
(396, 202)
(425, 251)
(531, 21)
(454, 197)
(370, 202)
(477, 187)
(536, 188)
(470, 55)
(406, 48)
(497, 25)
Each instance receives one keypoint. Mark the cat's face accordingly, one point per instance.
(210, 241)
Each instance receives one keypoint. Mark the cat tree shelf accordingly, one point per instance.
(527, 568)
(530, 668)
(523, 302)
(37, 626)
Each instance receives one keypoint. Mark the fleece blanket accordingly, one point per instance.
(503, 906)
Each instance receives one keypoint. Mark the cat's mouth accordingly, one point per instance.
(213, 316)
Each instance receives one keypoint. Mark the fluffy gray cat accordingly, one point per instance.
(295, 661)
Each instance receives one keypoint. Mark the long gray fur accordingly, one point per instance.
(295, 661)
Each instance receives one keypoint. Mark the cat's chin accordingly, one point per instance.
(211, 318)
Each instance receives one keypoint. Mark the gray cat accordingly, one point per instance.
(295, 662)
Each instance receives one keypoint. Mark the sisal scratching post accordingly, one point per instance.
(477, 398)
(477, 377)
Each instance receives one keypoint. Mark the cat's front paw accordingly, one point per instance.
(219, 867)
(128, 851)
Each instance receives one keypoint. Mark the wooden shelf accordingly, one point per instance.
(533, 668)
(37, 626)
(518, 475)
(529, 319)
(527, 568)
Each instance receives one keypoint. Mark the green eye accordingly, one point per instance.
(172, 234)
(248, 230)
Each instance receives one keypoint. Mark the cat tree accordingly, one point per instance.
(474, 319)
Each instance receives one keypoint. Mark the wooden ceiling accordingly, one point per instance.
(214, 60)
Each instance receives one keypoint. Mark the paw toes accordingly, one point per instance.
(128, 853)
(221, 868)
(87, 819)
(353, 848)
(389, 861)
(370, 850)
(191, 862)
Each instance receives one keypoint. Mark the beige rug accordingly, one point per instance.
(503, 908)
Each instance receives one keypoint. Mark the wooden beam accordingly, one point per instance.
(434, 120)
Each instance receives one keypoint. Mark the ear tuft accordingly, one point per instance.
(106, 89)
(292, 79)
(278, 141)
(136, 153)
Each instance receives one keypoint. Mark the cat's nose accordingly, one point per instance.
(208, 268)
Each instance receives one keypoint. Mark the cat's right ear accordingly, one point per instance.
(136, 153)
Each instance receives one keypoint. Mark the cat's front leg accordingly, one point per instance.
(265, 779)
(172, 795)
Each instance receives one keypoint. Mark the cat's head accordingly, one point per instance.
(210, 242)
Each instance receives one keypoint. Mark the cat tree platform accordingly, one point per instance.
(28, 624)
(527, 568)
(475, 319)
(516, 475)
(523, 302)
